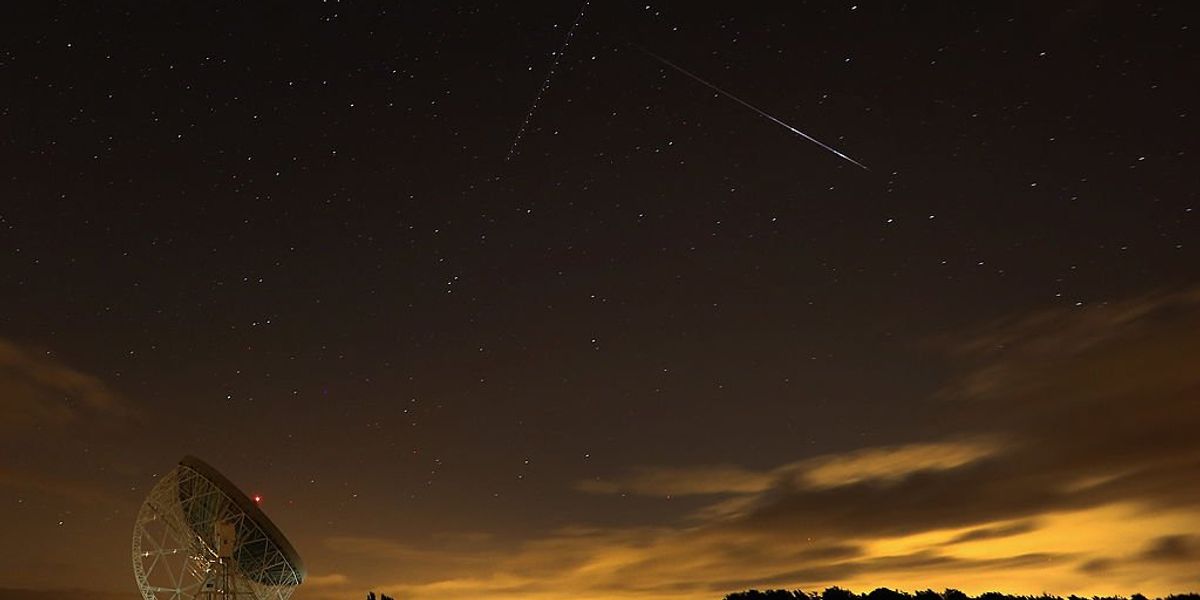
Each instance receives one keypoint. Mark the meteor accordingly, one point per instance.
(756, 109)
(537, 99)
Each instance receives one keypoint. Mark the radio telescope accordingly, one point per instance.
(198, 537)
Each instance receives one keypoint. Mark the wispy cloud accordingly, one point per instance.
(993, 532)
(326, 581)
(890, 464)
(56, 487)
(57, 594)
(683, 481)
(878, 465)
(1072, 471)
(39, 392)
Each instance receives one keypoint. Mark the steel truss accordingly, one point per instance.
(178, 553)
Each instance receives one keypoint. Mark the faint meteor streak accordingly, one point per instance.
(537, 99)
(749, 106)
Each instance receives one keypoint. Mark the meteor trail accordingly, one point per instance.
(537, 99)
(749, 106)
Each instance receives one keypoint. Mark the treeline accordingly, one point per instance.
(836, 593)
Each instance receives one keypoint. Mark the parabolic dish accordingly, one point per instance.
(198, 536)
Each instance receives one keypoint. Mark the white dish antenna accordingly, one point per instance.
(198, 537)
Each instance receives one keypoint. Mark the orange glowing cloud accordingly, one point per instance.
(1071, 470)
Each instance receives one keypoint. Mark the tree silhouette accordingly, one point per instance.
(837, 593)
(887, 594)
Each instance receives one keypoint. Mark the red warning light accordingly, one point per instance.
(257, 499)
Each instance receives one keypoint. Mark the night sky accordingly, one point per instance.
(668, 350)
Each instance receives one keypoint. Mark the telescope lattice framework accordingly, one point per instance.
(198, 537)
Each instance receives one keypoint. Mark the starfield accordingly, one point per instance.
(599, 300)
